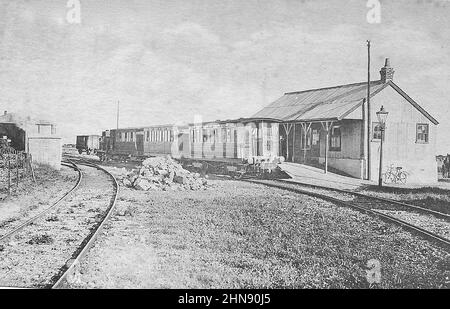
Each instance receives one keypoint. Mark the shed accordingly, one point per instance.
(34, 136)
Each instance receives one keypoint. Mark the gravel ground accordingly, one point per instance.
(31, 198)
(242, 235)
(33, 256)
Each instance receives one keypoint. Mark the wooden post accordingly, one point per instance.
(17, 170)
(9, 174)
(287, 129)
(326, 126)
(293, 145)
(368, 110)
(32, 169)
(306, 128)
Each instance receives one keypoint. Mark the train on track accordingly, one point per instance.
(232, 144)
(88, 143)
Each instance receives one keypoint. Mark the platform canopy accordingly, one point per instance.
(333, 103)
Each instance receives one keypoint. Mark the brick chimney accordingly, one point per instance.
(387, 73)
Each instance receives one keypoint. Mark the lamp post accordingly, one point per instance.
(382, 115)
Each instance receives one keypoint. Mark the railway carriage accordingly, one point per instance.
(88, 143)
(234, 141)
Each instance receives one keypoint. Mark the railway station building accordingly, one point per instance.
(332, 128)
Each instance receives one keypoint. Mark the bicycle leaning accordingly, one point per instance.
(395, 175)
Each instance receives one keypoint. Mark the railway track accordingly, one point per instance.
(70, 267)
(17, 229)
(396, 205)
(379, 207)
(72, 228)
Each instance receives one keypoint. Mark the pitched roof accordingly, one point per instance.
(331, 103)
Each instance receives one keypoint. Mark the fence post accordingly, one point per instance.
(17, 171)
(32, 169)
(9, 175)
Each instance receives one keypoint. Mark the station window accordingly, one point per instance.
(335, 139)
(376, 131)
(422, 133)
(53, 129)
(148, 136)
(315, 136)
(126, 136)
(229, 135)
(171, 136)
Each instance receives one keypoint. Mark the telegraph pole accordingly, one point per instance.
(118, 102)
(368, 109)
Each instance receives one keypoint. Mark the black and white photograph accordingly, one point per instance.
(242, 146)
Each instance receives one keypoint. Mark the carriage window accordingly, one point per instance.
(335, 140)
(422, 133)
(224, 135)
(376, 129)
(53, 129)
(229, 135)
(215, 137)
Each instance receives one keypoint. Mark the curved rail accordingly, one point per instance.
(425, 233)
(382, 199)
(21, 226)
(72, 263)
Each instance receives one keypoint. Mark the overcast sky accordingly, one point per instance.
(167, 61)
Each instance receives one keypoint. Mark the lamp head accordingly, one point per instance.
(382, 115)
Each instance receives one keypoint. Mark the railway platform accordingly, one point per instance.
(315, 176)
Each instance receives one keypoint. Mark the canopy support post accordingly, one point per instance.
(326, 125)
(306, 127)
(287, 129)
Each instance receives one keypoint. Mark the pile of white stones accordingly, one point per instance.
(163, 173)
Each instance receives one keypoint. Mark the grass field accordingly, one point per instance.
(241, 235)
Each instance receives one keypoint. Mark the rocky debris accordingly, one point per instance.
(40, 240)
(161, 173)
